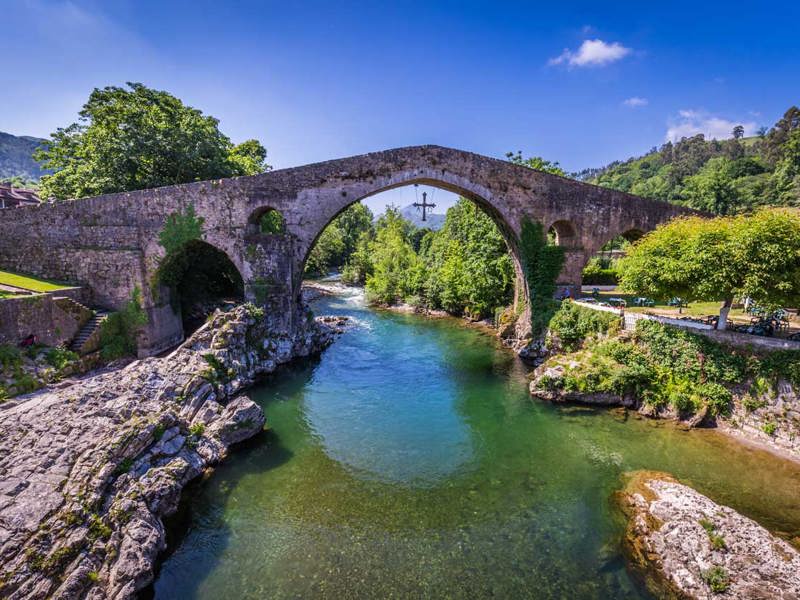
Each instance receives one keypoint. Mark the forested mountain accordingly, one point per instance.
(16, 159)
(723, 177)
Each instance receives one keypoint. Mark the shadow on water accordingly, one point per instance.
(260, 453)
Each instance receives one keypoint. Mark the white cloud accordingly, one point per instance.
(635, 102)
(693, 122)
(592, 53)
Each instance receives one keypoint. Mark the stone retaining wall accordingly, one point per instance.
(49, 318)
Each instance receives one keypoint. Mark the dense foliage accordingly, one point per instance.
(338, 241)
(136, 137)
(542, 263)
(272, 223)
(719, 259)
(119, 331)
(572, 324)
(537, 163)
(180, 228)
(464, 268)
(722, 177)
(665, 366)
(467, 265)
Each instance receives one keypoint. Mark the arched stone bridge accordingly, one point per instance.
(110, 243)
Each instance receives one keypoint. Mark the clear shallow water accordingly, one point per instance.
(409, 461)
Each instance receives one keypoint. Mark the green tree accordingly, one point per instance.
(787, 171)
(712, 188)
(397, 271)
(469, 268)
(359, 265)
(353, 221)
(137, 137)
(339, 240)
(738, 132)
(180, 228)
(327, 252)
(248, 158)
(719, 259)
(537, 163)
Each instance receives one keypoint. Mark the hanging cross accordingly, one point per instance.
(424, 205)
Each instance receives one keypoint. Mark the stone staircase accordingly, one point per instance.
(82, 343)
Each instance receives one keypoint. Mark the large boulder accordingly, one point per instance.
(685, 545)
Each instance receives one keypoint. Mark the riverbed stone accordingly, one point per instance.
(685, 545)
(89, 470)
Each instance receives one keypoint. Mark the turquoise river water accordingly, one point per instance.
(410, 461)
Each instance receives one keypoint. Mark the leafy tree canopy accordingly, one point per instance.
(135, 137)
(537, 163)
(339, 240)
(719, 259)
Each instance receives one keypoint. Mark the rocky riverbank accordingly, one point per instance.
(87, 472)
(684, 545)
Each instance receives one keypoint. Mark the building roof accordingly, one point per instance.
(11, 197)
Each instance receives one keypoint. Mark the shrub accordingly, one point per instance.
(717, 579)
(572, 324)
(197, 429)
(25, 382)
(97, 528)
(690, 355)
(717, 541)
(595, 274)
(768, 428)
(119, 331)
(10, 356)
(784, 364)
(58, 358)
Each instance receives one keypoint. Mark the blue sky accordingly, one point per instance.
(580, 83)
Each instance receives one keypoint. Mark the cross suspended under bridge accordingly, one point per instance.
(424, 205)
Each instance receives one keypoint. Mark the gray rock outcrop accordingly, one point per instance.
(687, 546)
(87, 472)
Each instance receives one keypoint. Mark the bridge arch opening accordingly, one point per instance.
(601, 268)
(266, 220)
(200, 278)
(408, 260)
(563, 233)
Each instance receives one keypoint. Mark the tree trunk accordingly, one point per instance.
(722, 322)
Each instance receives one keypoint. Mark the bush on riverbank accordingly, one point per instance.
(118, 333)
(23, 371)
(572, 324)
(661, 366)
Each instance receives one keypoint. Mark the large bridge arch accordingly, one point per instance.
(110, 243)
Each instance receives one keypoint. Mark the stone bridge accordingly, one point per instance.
(110, 244)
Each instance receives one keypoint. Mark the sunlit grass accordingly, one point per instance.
(29, 283)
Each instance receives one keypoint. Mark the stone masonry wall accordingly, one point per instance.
(110, 243)
(41, 315)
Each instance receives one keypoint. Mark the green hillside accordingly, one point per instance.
(723, 177)
(16, 160)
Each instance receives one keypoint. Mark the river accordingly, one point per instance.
(410, 461)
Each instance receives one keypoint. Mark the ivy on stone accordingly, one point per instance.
(542, 263)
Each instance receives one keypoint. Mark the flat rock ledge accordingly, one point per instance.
(684, 545)
(88, 472)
